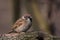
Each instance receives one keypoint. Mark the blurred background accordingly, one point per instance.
(45, 13)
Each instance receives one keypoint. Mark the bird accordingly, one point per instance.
(22, 24)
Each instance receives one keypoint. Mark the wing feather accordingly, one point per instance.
(18, 23)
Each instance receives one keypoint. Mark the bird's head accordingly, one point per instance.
(27, 16)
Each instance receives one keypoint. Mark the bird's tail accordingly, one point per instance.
(12, 31)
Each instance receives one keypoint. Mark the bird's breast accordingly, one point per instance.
(23, 27)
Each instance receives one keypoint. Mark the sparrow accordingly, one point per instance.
(22, 24)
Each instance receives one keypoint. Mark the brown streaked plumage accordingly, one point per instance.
(22, 24)
(19, 23)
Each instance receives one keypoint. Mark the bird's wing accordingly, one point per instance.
(19, 23)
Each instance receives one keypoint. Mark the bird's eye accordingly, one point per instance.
(25, 17)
